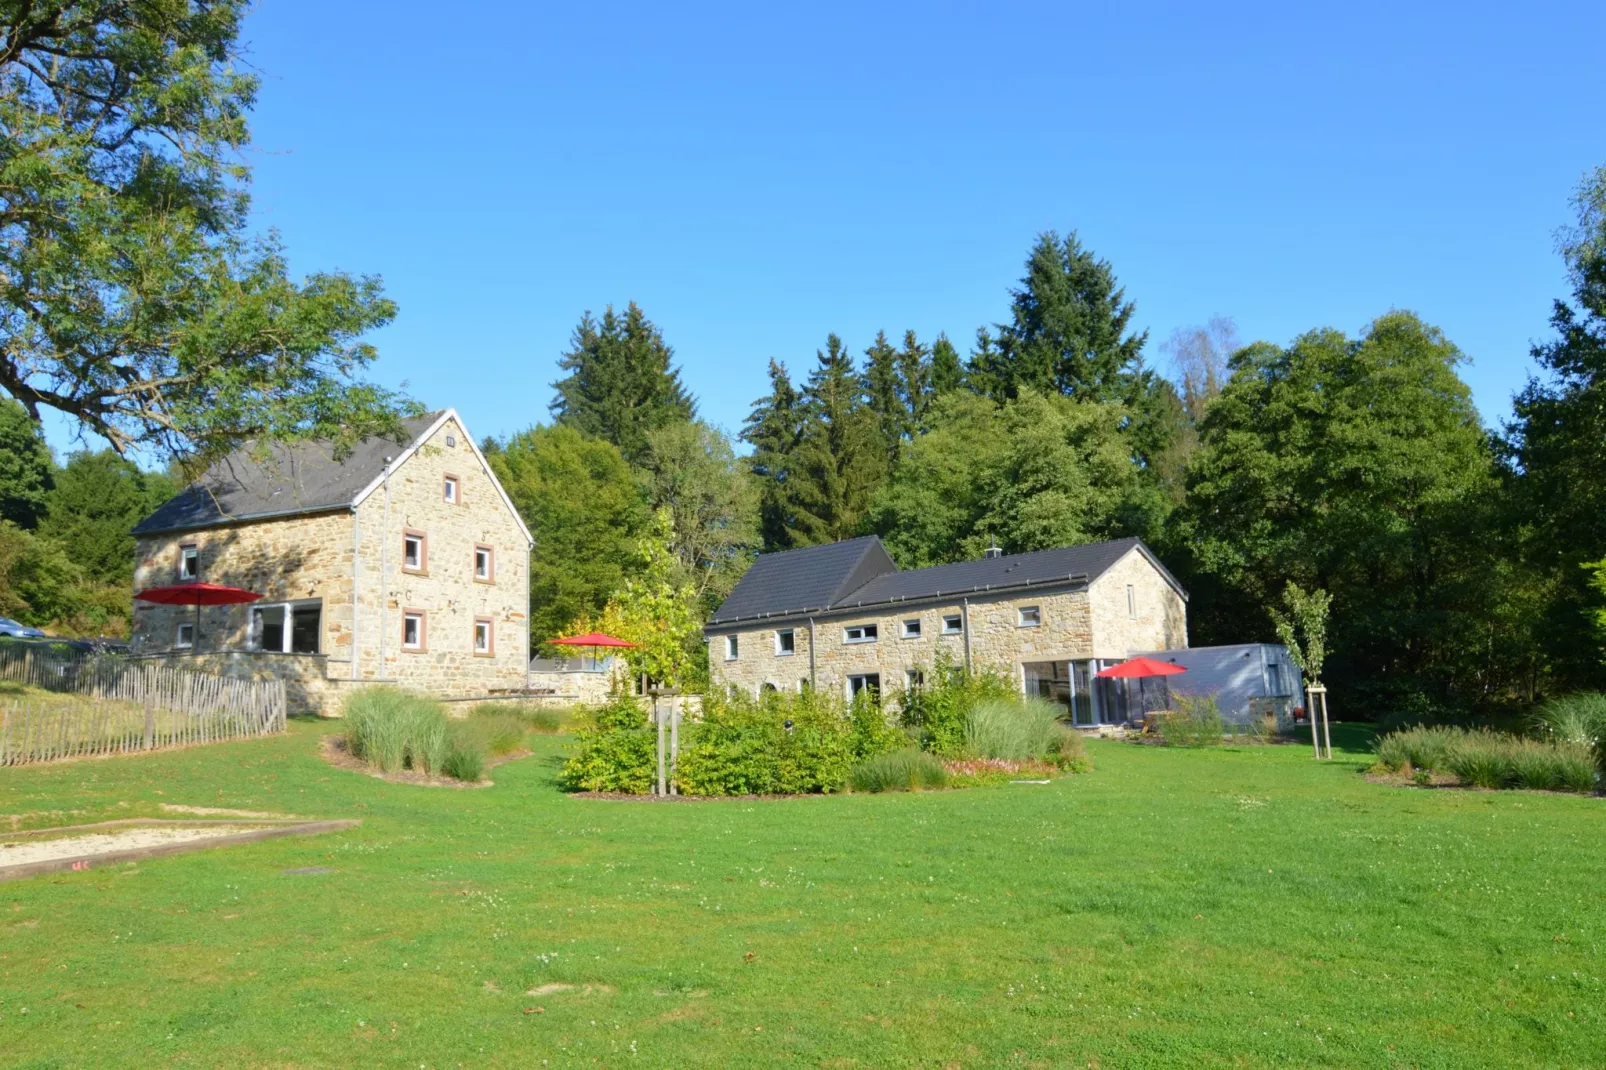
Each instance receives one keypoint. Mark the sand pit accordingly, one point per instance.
(28, 854)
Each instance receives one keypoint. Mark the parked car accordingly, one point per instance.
(13, 630)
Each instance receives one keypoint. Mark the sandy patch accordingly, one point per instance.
(97, 843)
(555, 988)
(218, 811)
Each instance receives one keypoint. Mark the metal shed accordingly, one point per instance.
(1236, 675)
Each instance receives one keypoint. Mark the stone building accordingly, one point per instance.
(844, 617)
(402, 563)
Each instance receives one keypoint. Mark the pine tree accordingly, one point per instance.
(883, 391)
(947, 370)
(621, 385)
(840, 459)
(914, 381)
(774, 428)
(1068, 328)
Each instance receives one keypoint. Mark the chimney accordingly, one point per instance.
(993, 551)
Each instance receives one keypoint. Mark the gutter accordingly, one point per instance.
(356, 586)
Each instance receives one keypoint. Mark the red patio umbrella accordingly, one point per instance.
(196, 594)
(1138, 668)
(593, 640)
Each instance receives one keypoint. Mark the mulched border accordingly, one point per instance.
(332, 749)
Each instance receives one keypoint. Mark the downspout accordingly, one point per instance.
(967, 635)
(384, 553)
(356, 582)
(813, 685)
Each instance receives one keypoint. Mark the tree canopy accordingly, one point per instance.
(132, 297)
(621, 385)
(25, 467)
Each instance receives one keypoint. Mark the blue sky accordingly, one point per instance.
(757, 176)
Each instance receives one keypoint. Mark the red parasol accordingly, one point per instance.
(593, 640)
(1138, 668)
(196, 594)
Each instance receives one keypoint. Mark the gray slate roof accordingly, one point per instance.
(302, 478)
(860, 573)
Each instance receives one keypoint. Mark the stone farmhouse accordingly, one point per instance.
(843, 616)
(403, 563)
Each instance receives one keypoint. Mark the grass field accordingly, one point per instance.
(1236, 907)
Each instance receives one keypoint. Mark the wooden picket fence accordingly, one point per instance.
(88, 703)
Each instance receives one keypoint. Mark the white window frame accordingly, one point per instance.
(489, 649)
(423, 552)
(958, 624)
(868, 633)
(791, 640)
(423, 635)
(451, 490)
(489, 575)
(185, 627)
(911, 628)
(1029, 617)
(865, 676)
(914, 679)
(733, 647)
(253, 638)
(1131, 601)
(189, 561)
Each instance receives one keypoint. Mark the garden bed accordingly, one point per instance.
(335, 752)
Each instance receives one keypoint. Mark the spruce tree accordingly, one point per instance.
(774, 428)
(883, 391)
(914, 375)
(621, 385)
(1068, 330)
(840, 459)
(947, 370)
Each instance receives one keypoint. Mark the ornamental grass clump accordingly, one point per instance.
(1012, 729)
(1577, 718)
(393, 730)
(909, 769)
(938, 711)
(1486, 759)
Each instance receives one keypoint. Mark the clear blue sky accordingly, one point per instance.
(756, 177)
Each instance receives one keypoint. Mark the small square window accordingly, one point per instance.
(911, 628)
(484, 564)
(785, 642)
(185, 638)
(1131, 601)
(449, 490)
(414, 552)
(413, 630)
(484, 637)
(189, 562)
(1030, 616)
(953, 624)
(860, 633)
(733, 647)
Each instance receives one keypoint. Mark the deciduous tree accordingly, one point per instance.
(692, 472)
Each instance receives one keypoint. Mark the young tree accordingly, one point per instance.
(1037, 472)
(132, 297)
(585, 511)
(1068, 330)
(26, 467)
(774, 428)
(621, 385)
(840, 458)
(1301, 626)
(1558, 444)
(1360, 467)
(692, 472)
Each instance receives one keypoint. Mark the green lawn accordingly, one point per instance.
(1174, 908)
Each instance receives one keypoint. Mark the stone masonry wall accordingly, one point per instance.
(1161, 622)
(312, 557)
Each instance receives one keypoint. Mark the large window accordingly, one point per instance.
(870, 681)
(287, 627)
(859, 633)
(785, 642)
(415, 551)
(189, 562)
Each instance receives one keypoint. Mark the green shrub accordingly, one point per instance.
(392, 729)
(617, 750)
(936, 712)
(1012, 729)
(1196, 722)
(910, 769)
(743, 747)
(1419, 748)
(1577, 718)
